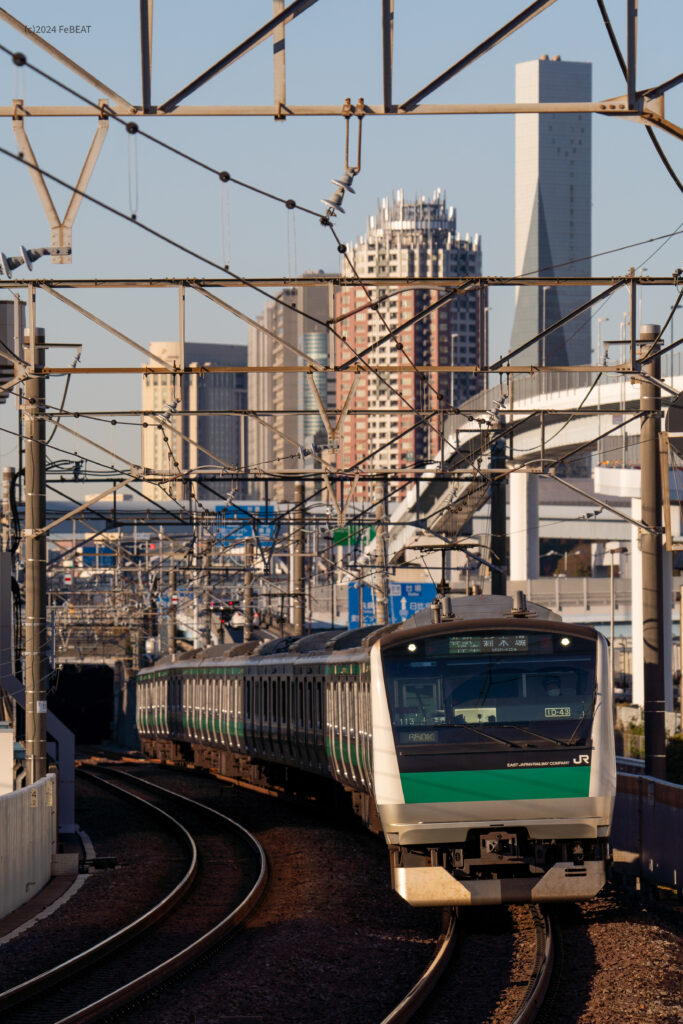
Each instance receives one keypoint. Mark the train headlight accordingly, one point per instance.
(412, 648)
(565, 641)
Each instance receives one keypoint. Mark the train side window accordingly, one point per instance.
(319, 704)
(247, 700)
(265, 700)
(300, 689)
(283, 697)
(275, 696)
(309, 704)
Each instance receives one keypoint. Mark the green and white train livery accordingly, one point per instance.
(481, 744)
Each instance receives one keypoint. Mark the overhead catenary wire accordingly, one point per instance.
(20, 60)
(623, 247)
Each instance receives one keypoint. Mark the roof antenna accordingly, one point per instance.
(519, 608)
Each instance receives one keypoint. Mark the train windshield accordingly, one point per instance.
(516, 687)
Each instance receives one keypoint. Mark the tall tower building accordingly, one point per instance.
(552, 209)
(285, 400)
(223, 436)
(407, 239)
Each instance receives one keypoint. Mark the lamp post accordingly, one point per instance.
(612, 552)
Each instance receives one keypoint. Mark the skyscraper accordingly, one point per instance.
(282, 399)
(224, 436)
(407, 239)
(552, 209)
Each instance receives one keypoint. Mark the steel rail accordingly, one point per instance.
(76, 964)
(543, 969)
(150, 979)
(423, 987)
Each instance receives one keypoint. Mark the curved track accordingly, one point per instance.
(539, 977)
(542, 970)
(429, 978)
(44, 998)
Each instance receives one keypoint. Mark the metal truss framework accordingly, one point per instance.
(642, 105)
(356, 364)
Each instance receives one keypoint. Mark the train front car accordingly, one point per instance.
(494, 768)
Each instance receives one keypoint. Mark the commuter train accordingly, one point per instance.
(481, 744)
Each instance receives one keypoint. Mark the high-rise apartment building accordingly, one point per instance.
(282, 399)
(407, 239)
(223, 436)
(552, 209)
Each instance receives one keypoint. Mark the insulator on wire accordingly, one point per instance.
(335, 201)
(344, 181)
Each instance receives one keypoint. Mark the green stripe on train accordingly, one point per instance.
(495, 784)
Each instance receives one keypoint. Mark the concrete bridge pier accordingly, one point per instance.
(523, 520)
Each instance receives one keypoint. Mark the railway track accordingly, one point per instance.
(191, 919)
(538, 972)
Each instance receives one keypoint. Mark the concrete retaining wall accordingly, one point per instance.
(28, 841)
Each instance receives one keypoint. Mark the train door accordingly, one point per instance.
(274, 715)
(238, 685)
(333, 727)
(217, 721)
(344, 724)
(319, 692)
(249, 688)
(285, 715)
(152, 706)
(355, 732)
(226, 688)
(188, 693)
(213, 708)
(172, 716)
(310, 720)
(298, 721)
(196, 706)
(260, 712)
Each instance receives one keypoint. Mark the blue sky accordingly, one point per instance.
(333, 51)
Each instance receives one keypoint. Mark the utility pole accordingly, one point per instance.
(498, 549)
(381, 588)
(248, 601)
(298, 588)
(35, 661)
(651, 552)
(171, 610)
(206, 592)
(7, 486)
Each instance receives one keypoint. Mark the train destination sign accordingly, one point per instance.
(496, 643)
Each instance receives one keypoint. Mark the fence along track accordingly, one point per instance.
(139, 986)
(32, 987)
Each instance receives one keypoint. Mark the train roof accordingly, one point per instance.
(482, 606)
(476, 607)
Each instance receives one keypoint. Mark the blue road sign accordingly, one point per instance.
(244, 521)
(404, 600)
